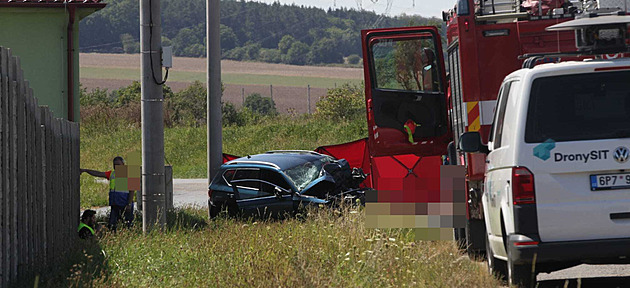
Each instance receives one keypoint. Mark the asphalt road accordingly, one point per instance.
(193, 192)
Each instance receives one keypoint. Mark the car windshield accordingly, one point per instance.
(305, 173)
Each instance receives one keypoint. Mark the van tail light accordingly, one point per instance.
(209, 193)
(523, 186)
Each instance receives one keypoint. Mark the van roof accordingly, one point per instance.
(573, 67)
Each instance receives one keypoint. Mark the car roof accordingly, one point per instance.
(278, 159)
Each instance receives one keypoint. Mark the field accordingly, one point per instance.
(329, 248)
(289, 82)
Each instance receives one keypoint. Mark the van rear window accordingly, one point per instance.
(579, 107)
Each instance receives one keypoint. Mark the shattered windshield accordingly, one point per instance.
(305, 173)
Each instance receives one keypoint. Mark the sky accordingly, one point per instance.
(426, 8)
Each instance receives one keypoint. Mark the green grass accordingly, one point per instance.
(327, 249)
(227, 78)
(185, 147)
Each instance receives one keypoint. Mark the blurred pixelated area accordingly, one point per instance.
(128, 177)
(432, 212)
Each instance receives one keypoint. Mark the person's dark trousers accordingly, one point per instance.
(117, 213)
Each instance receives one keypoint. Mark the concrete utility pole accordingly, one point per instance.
(215, 140)
(153, 187)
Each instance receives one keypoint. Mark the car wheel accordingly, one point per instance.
(213, 211)
(496, 267)
(520, 275)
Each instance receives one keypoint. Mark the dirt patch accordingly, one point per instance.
(227, 66)
(286, 98)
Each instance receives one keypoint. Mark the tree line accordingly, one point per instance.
(250, 31)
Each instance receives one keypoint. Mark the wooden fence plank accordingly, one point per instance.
(13, 170)
(4, 95)
(43, 176)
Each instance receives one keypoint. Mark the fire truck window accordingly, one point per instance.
(409, 64)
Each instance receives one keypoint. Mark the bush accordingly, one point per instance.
(354, 59)
(261, 105)
(97, 96)
(345, 102)
(231, 116)
(190, 104)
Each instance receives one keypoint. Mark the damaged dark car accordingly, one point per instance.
(280, 183)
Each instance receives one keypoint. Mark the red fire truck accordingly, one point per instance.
(485, 41)
(416, 113)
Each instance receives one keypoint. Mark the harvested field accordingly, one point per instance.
(227, 66)
(285, 97)
(113, 71)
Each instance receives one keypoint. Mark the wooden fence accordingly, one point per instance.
(39, 179)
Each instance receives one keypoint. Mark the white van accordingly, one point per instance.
(557, 183)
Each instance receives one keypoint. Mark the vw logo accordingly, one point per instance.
(621, 154)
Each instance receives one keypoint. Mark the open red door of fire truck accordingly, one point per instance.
(405, 90)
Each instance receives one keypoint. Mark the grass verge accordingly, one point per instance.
(185, 147)
(327, 249)
(227, 78)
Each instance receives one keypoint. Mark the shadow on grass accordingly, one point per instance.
(186, 218)
(83, 265)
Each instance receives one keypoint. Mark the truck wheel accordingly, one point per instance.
(460, 237)
(496, 267)
(520, 275)
(475, 238)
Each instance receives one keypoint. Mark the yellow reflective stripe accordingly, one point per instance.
(474, 121)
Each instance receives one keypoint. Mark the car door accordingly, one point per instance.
(405, 91)
(263, 192)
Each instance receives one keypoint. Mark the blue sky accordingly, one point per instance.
(426, 8)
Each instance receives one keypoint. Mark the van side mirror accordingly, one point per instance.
(470, 142)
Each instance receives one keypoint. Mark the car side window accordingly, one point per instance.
(271, 179)
(247, 178)
(500, 115)
(228, 175)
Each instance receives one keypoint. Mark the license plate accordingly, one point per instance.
(610, 181)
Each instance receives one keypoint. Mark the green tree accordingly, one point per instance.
(285, 43)
(270, 55)
(184, 39)
(166, 42)
(325, 50)
(297, 54)
(261, 105)
(354, 59)
(130, 45)
(228, 38)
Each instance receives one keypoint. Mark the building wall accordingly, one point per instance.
(38, 37)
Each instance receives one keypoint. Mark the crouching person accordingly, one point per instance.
(87, 226)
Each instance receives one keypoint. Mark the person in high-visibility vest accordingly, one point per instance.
(121, 202)
(87, 226)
